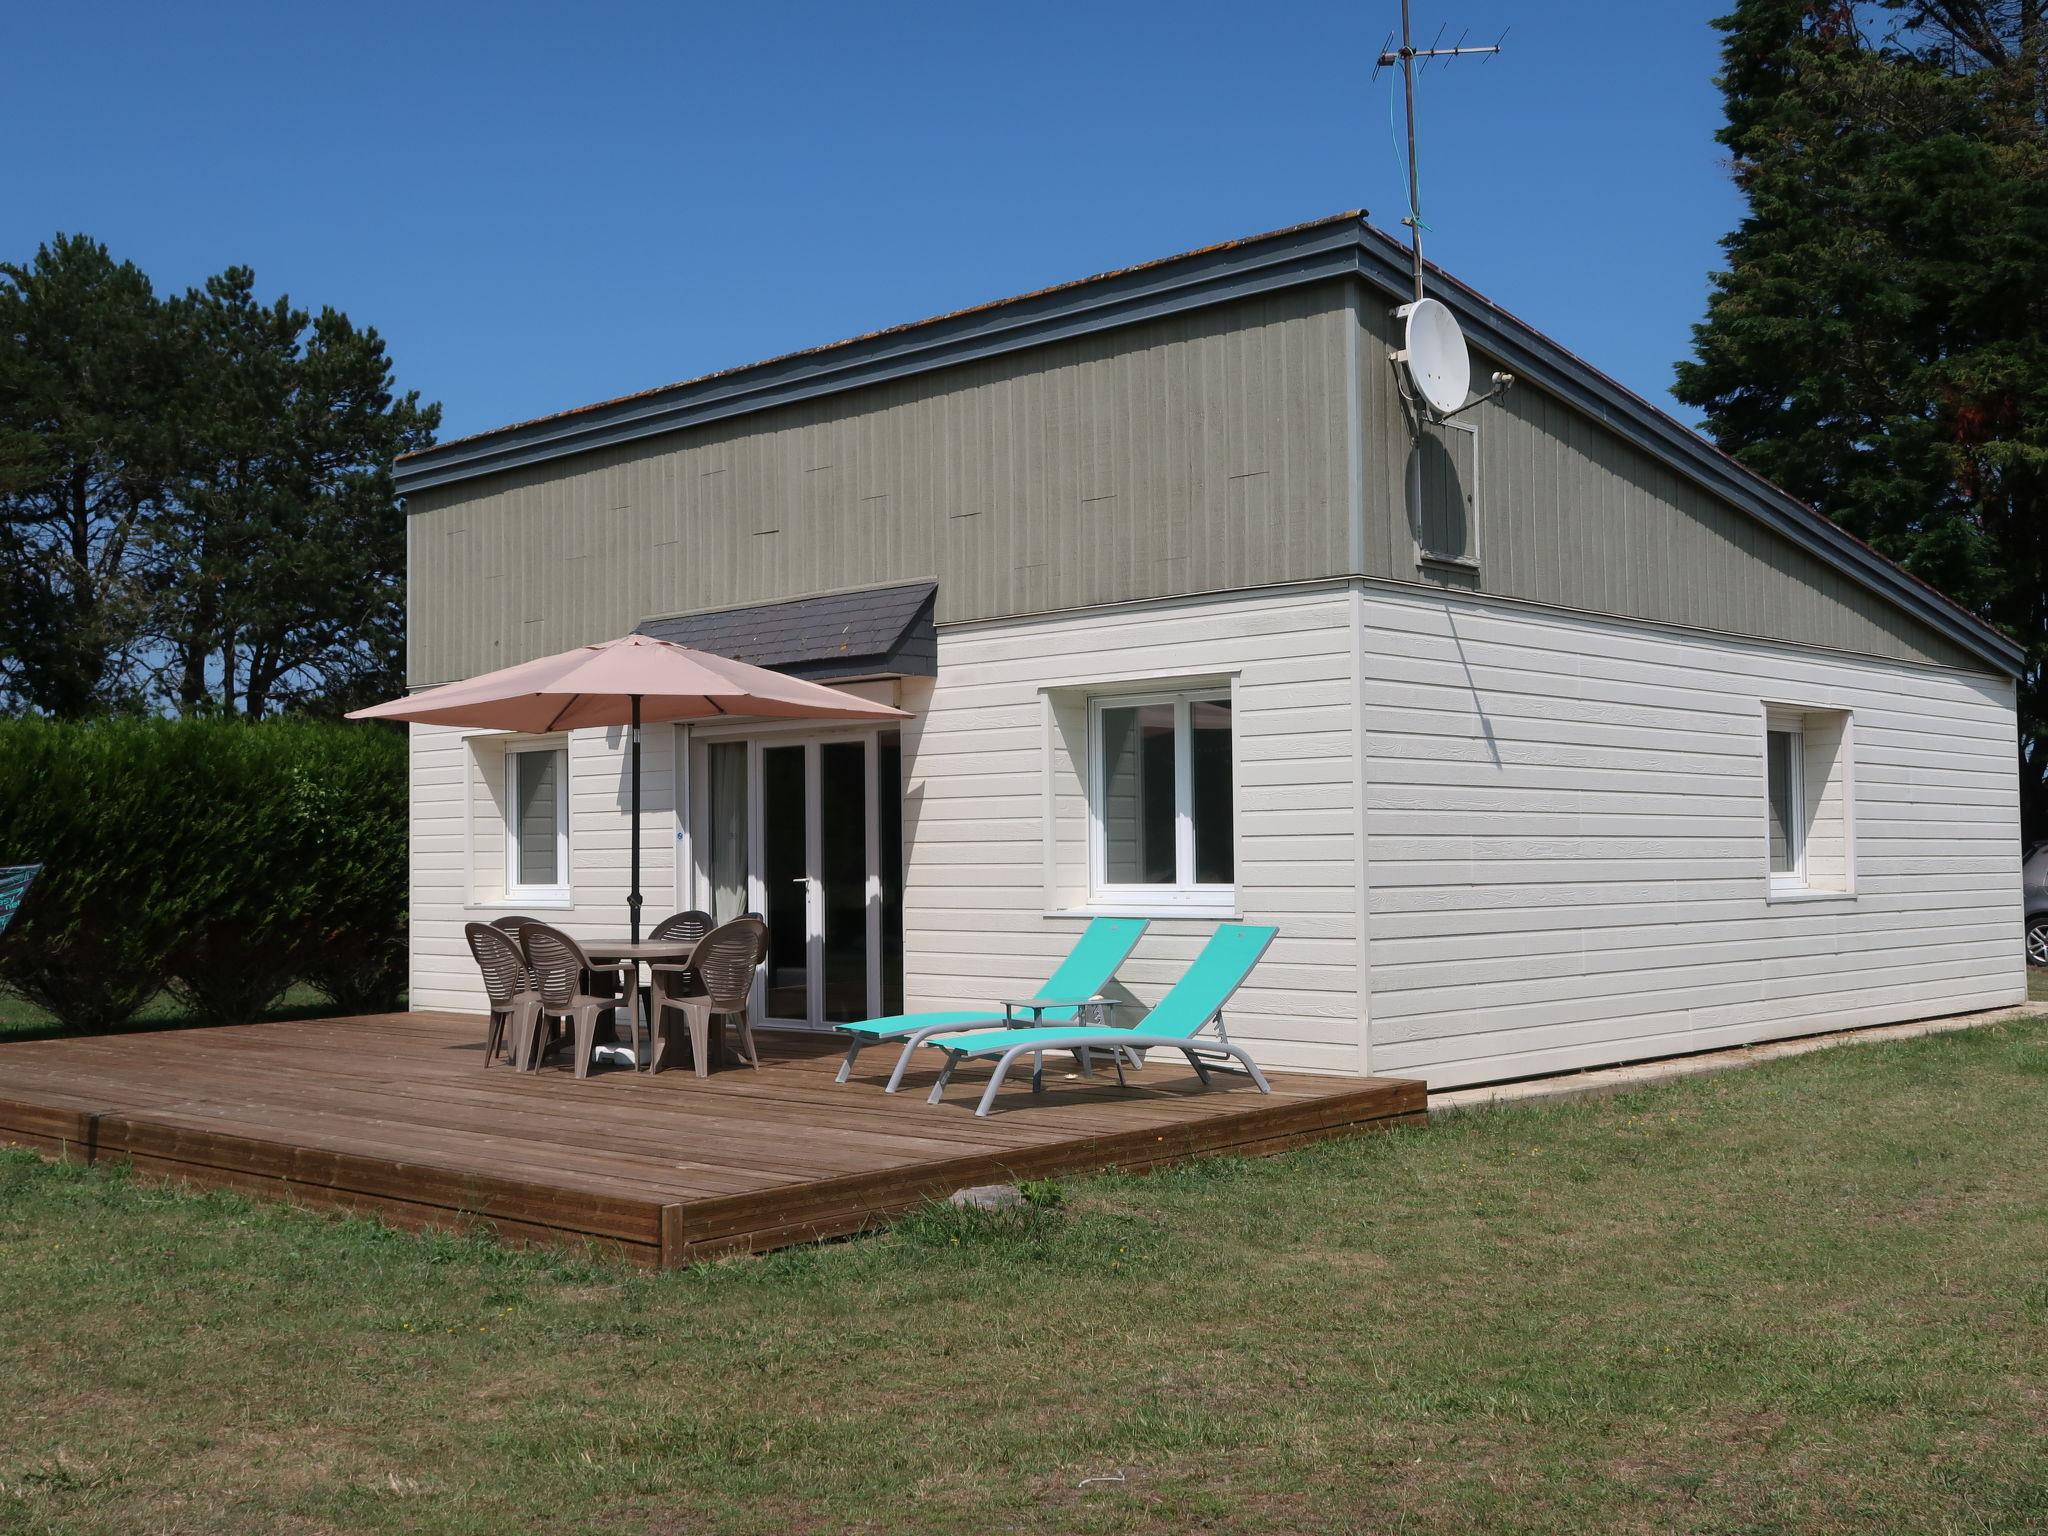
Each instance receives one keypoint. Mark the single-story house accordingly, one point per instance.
(1548, 735)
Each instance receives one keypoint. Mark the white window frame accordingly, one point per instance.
(559, 892)
(1184, 892)
(1793, 879)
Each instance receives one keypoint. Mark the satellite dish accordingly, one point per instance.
(1435, 354)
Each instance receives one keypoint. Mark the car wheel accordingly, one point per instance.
(2037, 941)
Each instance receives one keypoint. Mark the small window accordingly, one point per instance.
(1784, 760)
(1163, 799)
(1809, 802)
(537, 822)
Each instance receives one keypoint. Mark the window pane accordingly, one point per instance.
(1781, 760)
(843, 877)
(725, 766)
(784, 882)
(889, 835)
(1209, 774)
(1137, 795)
(533, 817)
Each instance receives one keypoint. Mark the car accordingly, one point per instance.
(2034, 877)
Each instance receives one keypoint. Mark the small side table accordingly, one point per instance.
(1097, 1012)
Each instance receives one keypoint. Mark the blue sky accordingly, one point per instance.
(544, 206)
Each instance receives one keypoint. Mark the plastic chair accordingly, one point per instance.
(717, 979)
(513, 1002)
(558, 967)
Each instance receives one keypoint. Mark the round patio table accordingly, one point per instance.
(646, 952)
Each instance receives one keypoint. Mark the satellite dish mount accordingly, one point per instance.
(1433, 367)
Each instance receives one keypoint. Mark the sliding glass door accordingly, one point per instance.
(805, 830)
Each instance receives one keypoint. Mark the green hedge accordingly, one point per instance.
(220, 859)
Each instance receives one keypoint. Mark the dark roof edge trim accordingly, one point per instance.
(1532, 356)
(1264, 264)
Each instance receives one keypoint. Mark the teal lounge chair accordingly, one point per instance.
(1103, 946)
(1195, 1003)
(15, 879)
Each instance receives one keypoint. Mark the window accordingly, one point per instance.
(537, 823)
(1809, 828)
(1162, 799)
(1784, 757)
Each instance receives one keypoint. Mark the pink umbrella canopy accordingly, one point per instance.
(597, 685)
(633, 680)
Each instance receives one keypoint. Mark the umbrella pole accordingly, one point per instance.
(633, 897)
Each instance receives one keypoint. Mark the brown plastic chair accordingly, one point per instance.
(513, 1002)
(559, 966)
(718, 978)
(680, 927)
(687, 927)
(513, 926)
(605, 983)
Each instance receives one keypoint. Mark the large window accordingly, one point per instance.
(537, 823)
(1162, 799)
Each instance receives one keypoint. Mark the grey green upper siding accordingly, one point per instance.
(1218, 421)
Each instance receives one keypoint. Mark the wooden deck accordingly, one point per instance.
(393, 1115)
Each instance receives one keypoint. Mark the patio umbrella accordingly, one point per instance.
(625, 682)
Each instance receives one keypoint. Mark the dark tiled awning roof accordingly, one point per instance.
(876, 632)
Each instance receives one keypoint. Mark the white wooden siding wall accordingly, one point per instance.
(1565, 828)
(994, 747)
(458, 854)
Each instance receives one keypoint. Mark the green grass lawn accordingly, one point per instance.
(23, 1020)
(1810, 1296)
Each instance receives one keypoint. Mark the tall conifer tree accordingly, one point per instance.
(1878, 345)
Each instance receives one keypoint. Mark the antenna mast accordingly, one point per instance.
(1405, 56)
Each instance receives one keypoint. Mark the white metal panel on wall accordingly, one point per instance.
(1565, 832)
(995, 810)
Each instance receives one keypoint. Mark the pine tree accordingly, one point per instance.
(88, 385)
(279, 570)
(1878, 345)
(196, 508)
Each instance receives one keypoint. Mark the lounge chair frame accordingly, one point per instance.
(1009, 1020)
(961, 1020)
(1190, 1045)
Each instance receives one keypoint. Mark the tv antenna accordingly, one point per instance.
(1405, 56)
(1433, 348)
